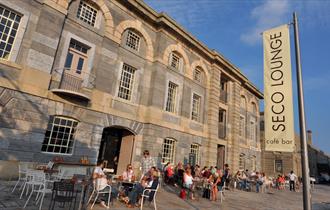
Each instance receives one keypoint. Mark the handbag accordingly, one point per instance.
(183, 194)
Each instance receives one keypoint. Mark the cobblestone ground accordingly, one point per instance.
(167, 199)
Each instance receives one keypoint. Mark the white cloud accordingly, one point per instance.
(271, 13)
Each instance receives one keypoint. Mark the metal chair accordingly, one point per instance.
(39, 185)
(147, 193)
(22, 174)
(97, 191)
(63, 192)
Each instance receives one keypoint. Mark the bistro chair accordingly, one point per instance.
(22, 174)
(97, 192)
(40, 185)
(149, 194)
(63, 192)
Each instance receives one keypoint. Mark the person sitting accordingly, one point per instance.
(128, 174)
(101, 182)
(138, 189)
(259, 181)
(188, 182)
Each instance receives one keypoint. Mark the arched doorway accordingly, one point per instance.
(116, 148)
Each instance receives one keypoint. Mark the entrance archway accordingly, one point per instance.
(116, 148)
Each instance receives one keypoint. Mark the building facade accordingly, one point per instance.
(107, 79)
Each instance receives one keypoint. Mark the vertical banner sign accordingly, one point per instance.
(279, 129)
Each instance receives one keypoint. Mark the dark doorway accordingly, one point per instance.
(221, 156)
(116, 148)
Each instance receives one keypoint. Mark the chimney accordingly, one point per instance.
(309, 137)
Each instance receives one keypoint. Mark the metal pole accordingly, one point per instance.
(302, 122)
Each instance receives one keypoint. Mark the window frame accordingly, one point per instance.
(199, 78)
(179, 61)
(242, 161)
(95, 13)
(122, 80)
(170, 157)
(137, 39)
(196, 115)
(14, 25)
(171, 97)
(51, 124)
(195, 149)
(253, 130)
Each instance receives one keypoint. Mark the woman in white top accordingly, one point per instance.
(128, 175)
(188, 182)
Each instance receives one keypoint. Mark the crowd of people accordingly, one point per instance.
(187, 178)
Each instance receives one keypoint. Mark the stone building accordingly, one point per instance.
(108, 79)
(318, 160)
(274, 163)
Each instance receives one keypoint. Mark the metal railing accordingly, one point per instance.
(223, 96)
(68, 81)
(221, 131)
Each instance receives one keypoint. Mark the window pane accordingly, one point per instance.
(80, 65)
(87, 13)
(68, 60)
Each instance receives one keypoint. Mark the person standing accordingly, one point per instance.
(147, 162)
(292, 182)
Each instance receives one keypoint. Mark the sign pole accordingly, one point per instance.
(302, 121)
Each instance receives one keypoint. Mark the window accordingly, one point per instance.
(59, 135)
(175, 61)
(241, 163)
(126, 82)
(198, 75)
(241, 126)
(171, 97)
(87, 13)
(9, 22)
(278, 166)
(194, 149)
(76, 57)
(133, 40)
(196, 106)
(253, 130)
(168, 150)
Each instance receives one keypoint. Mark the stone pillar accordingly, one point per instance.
(233, 121)
(212, 118)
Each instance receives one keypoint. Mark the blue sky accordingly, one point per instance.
(233, 28)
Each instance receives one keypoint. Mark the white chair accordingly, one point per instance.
(105, 190)
(221, 192)
(146, 194)
(40, 185)
(22, 172)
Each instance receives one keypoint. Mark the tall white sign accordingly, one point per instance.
(279, 128)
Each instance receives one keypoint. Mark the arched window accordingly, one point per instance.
(198, 74)
(175, 61)
(59, 136)
(241, 163)
(168, 150)
(88, 13)
(133, 40)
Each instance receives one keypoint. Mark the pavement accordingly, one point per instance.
(168, 199)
